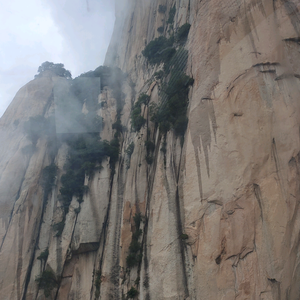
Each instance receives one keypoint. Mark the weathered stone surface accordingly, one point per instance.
(220, 213)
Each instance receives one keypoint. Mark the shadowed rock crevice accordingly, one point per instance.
(275, 287)
(257, 193)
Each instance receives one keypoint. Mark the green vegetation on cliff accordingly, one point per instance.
(47, 282)
(86, 153)
(159, 50)
(172, 13)
(138, 121)
(44, 255)
(48, 178)
(182, 33)
(129, 152)
(86, 149)
(134, 256)
(170, 112)
(132, 293)
(56, 69)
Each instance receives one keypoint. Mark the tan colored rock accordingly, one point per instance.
(220, 214)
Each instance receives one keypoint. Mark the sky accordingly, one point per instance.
(73, 32)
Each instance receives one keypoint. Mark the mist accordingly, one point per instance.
(75, 33)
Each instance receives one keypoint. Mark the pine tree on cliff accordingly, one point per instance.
(56, 69)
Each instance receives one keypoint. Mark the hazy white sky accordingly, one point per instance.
(73, 32)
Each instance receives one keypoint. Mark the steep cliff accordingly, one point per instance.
(205, 210)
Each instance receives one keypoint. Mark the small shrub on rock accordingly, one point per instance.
(134, 256)
(47, 282)
(132, 293)
(162, 9)
(59, 227)
(160, 29)
(44, 255)
(138, 121)
(171, 15)
(182, 33)
(159, 50)
(184, 236)
(130, 149)
(48, 178)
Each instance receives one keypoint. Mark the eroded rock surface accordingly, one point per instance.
(219, 212)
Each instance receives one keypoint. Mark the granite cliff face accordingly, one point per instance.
(212, 216)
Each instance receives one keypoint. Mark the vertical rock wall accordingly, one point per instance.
(219, 213)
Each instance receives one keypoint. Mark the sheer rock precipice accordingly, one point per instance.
(220, 214)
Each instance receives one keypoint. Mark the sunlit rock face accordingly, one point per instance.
(218, 210)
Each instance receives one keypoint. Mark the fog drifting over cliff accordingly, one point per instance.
(75, 33)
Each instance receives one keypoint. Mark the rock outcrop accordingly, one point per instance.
(213, 214)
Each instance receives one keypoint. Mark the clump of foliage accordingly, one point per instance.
(56, 69)
(86, 149)
(48, 178)
(160, 29)
(97, 283)
(163, 148)
(171, 15)
(102, 71)
(112, 77)
(159, 75)
(129, 152)
(108, 76)
(44, 255)
(134, 256)
(150, 147)
(130, 149)
(162, 9)
(177, 62)
(149, 159)
(143, 99)
(47, 282)
(182, 33)
(171, 113)
(118, 127)
(59, 227)
(184, 236)
(113, 152)
(159, 50)
(77, 210)
(85, 153)
(87, 89)
(146, 281)
(137, 281)
(132, 293)
(138, 121)
(162, 50)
